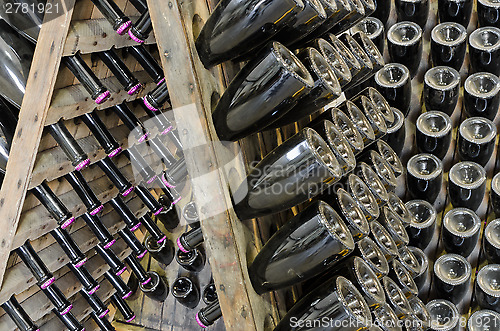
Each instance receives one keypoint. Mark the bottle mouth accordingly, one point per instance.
(357, 6)
(153, 284)
(424, 214)
(371, 50)
(153, 246)
(420, 311)
(409, 260)
(488, 279)
(354, 304)
(182, 287)
(399, 207)
(292, 64)
(462, 222)
(370, 5)
(372, 255)
(360, 121)
(323, 153)
(386, 317)
(349, 58)
(404, 278)
(358, 52)
(210, 294)
(374, 183)
(187, 257)
(404, 33)
(348, 129)
(390, 156)
(490, 3)
(480, 318)
(364, 196)
(442, 78)
(374, 115)
(324, 72)
(395, 227)
(382, 105)
(371, 26)
(392, 75)
(444, 314)
(425, 166)
(335, 226)
(492, 233)
(318, 8)
(353, 213)
(449, 34)
(368, 281)
(452, 269)
(340, 147)
(423, 260)
(466, 174)
(383, 169)
(486, 39)
(483, 85)
(434, 124)
(399, 121)
(334, 59)
(383, 239)
(396, 297)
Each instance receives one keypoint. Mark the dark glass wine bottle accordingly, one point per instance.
(70, 321)
(82, 188)
(209, 314)
(35, 264)
(98, 307)
(123, 307)
(166, 157)
(151, 203)
(116, 176)
(193, 260)
(140, 30)
(133, 243)
(156, 289)
(88, 282)
(114, 15)
(122, 290)
(116, 266)
(131, 121)
(60, 302)
(99, 230)
(140, 164)
(69, 247)
(125, 213)
(137, 269)
(209, 294)
(68, 144)
(18, 315)
(153, 229)
(140, 5)
(190, 239)
(148, 62)
(310, 243)
(155, 99)
(186, 291)
(53, 204)
(121, 71)
(101, 133)
(102, 323)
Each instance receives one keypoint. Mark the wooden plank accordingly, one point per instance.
(73, 101)
(39, 90)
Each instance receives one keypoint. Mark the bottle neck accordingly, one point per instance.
(153, 229)
(116, 176)
(84, 191)
(31, 259)
(140, 164)
(18, 315)
(123, 307)
(209, 314)
(95, 303)
(116, 266)
(133, 243)
(121, 288)
(137, 269)
(69, 246)
(87, 78)
(148, 62)
(190, 240)
(153, 205)
(69, 321)
(113, 14)
(89, 284)
(140, 5)
(54, 294)
(125, 213)
(120, 70)
(141, 29)
(101, 133)
(53, 205)
(99, 230)
(155, 99)
(166, 157)
(69, 145)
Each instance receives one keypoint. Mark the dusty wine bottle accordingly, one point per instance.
(18, 315)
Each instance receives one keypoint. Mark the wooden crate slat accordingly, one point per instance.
(73, 101)
(39, 90)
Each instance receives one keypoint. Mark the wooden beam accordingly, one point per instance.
(36, 102)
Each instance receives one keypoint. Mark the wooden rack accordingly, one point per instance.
(53, 93)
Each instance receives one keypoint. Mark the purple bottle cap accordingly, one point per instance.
(103, 97)
(115, 152)
(199, 321)
(134, 38)
(140, 256)
(181, 248)
(92, 291)
(167, 130)
(148, 105)
(135, 227)
(162, 239)
(65, 311)
(127, 192)
(127, 295)
(134, 89)
(121, 271)
(104, 313)
(108, 245)
(82, 262)
(82, 164)
(164, 180)
(161, 81)
(152, 179)
(158, 211)
(177, 200)
(95, 211)
(130, 319)
(123, 28)
(67, 223)
(47, 283)
(141, 139)
(146, 281)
